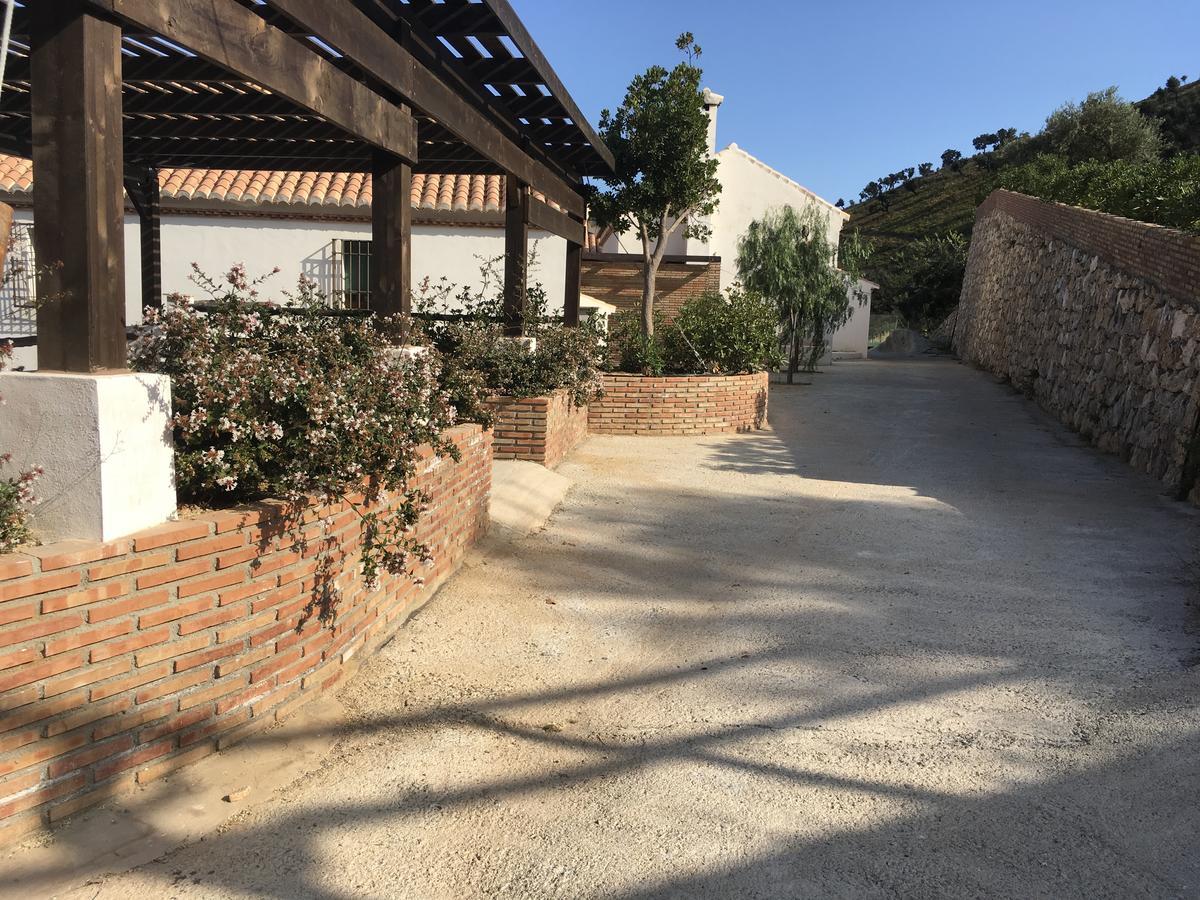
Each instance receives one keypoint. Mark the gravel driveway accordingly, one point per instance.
(914, 641)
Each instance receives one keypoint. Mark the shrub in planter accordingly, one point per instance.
(479, 360)
(291, 401)
(16, 492)
(727, 334)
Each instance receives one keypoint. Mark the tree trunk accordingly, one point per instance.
(794, 353)
(649, 275)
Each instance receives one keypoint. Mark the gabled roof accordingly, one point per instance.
(735, 149)
(458, 193)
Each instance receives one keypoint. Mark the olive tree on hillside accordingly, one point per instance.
(1103, 127)
(786, 257)
(665, 179)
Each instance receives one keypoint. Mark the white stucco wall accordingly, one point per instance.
(852, 337)
(216, 242)
(749, 189)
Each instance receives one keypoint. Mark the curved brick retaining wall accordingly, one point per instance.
(120, 662)
(1097, 318)
(680, 404)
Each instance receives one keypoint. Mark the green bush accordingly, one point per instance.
(714, 333)
(1165, 192)
(478, 360)
(930, 275)
(286, 403)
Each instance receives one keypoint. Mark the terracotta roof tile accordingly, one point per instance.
(462, 193)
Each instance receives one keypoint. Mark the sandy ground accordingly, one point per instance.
(915, 641)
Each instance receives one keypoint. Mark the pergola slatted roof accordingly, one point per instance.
(181, 110)
(102, 93)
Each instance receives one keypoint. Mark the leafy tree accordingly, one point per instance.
(925, 168)
(786, 257)
(983, 141)
(1102, 127)
(665, 180)
(931, 275)
(952, 159)
(1173, 83)
(841, 203)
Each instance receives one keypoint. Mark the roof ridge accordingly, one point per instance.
(758, 162)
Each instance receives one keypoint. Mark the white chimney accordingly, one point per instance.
(712, 103)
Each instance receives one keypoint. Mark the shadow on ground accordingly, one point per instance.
(916, 641)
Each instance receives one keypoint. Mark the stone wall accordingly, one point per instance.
(619, 282)
(539, 429)
(1095, 317)
(680, 404)
(122, 661)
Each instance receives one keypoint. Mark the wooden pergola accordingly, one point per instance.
(102, 93)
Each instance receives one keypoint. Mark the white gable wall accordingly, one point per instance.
(749, 189)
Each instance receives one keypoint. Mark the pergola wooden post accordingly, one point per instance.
(572, 286)
(516, 254)
(143, 190)
(391, 234)
(78, 199)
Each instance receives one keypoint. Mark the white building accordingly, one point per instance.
(749, 189)
(316, 223)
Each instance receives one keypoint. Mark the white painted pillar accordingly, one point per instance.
(104, 442)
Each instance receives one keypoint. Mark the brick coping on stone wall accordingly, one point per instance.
(1096, 318)
(540, 429)
(1165, 256)
(122, 661)
(680, 404)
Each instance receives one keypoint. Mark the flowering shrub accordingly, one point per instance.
(288, 402)
(727, 334)
(16, 493)
(479, 360)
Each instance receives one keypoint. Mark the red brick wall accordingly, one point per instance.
(692, 404)
(1169, 258)
(540, 429)
(123, 661)
(620, 283)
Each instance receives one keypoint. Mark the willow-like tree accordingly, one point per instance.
(786, 257)
(665, 179)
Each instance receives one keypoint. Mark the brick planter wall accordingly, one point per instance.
(691, 404)
(120, 662)
(540, 429)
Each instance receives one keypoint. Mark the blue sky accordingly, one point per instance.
(835, 94)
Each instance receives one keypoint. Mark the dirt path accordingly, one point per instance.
(915, 641)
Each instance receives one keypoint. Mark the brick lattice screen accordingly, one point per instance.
(620, 283)
(121, 662)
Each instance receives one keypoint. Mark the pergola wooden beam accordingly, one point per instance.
(547, 218)
(231, 36)
(388, 62)
(78, 203)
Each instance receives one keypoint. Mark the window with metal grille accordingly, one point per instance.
(352, 273)
(18, 316)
